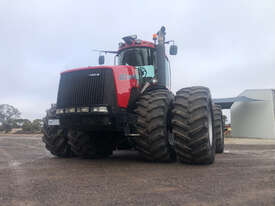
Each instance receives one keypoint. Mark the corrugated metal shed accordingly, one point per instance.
(254, 119)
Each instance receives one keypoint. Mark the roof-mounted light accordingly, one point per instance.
(138, 41)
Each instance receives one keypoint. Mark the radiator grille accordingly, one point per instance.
(82, 88)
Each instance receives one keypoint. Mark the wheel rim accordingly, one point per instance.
(210, 128)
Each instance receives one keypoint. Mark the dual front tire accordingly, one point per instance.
(55, 138)
(90, 145)
(68, 143)
(154, 125)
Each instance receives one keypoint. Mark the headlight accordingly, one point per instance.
(82, 109)
(59, 111)
(69, 110)
(100, 109)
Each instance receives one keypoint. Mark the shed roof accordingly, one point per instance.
(226, 103)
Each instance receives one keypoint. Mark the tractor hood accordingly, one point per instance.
(96, 83)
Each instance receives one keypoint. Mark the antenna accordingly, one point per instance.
(105, 51)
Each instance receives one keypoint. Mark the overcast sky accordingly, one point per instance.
(228, 46)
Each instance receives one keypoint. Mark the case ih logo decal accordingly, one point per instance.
(126, 77)
(94, 75)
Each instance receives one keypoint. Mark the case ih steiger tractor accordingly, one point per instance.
(130, 106)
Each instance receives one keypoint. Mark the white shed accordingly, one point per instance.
(256, 118)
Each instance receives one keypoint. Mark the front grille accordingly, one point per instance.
(85, 88)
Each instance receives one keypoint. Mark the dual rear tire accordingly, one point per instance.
(218, 128)
(180, 126)
(192, 123)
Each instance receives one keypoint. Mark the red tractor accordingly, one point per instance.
(130, 106)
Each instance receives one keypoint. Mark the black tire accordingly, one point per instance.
(55, 138)
(192, 122)
(153, 124)
(218, 128)
(82, 144)
(90, 145)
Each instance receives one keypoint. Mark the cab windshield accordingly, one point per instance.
(142, 58)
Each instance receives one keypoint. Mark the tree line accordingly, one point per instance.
(10, 118)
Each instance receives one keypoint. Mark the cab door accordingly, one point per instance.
(167, 74)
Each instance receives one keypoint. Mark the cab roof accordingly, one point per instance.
(136, 43)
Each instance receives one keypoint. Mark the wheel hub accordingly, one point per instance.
(210, 128)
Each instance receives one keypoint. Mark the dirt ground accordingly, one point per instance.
(29, 175)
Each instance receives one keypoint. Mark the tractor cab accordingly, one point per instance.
(143, 59)
(149, 59)
(144, 56)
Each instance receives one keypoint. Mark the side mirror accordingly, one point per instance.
(173, 49)
(101, 59)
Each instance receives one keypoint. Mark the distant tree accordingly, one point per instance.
(6, 127)
(8, 112)
(8, 115)
(27, 125)
(37, 125)
(19, 123)
(34, 126)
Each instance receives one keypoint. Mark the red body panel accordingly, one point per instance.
(124, 78)
(134, 44)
